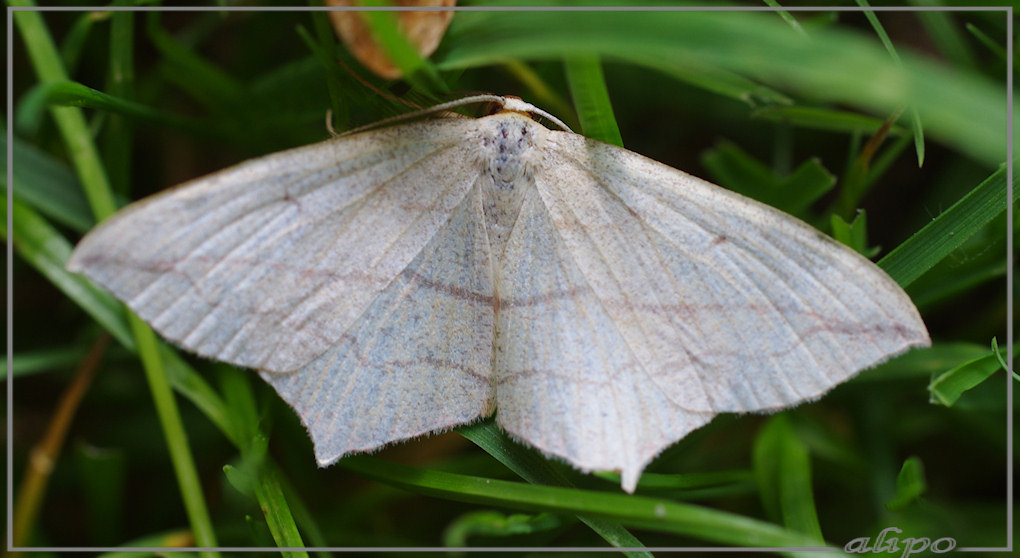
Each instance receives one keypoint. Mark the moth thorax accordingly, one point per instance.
(508, 151)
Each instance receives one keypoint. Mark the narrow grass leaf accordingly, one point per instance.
(910, 485)
(1002, 361)
(854, 234)
(948, 231)
(194, 387)
(168, 539)
(532, 467)
(734, 168)
(966, 110)
(202, 80)
(78, 142)
(922, 363)
(686, 482)
(591, 97)
(717, 80)
(945, 34)
(417, 70)
(637, 511)
(45, 249)
(73, 94)
(804, 186)
(489, 523)
(885, 158)
(323, 46)
(239, 479)
(173, 431)
(525, 462)
(545, 95)
(915, 118)
(787, 16)
(27, 363)
(117, 137)
(783, 470)
(821, 118)
(77, 37)
(856, 178)
(994, 47)
(75, 132)
(47, 186)
(964, 278)
(259, 473)
(918, 131)
(304, 517)
(947, 388)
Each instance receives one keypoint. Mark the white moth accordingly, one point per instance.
(405, 280)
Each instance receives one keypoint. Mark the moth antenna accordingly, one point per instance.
(329, 123)
(513, 104)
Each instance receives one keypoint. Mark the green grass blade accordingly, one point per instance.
(915, 118)
(26, 363)
(47, 186)
(880, 164)
(71, 49)
(70, 121)
(945, 35)
(821, 118)
(79, 143)
(260, 472)
(737, 170)
(526, 462)
(534, 468)
(194, 387)
(918, 131)
(303, 516)
(964, 278)
(591, 97)
(910, 485)
(496, 524)
(323, 46)
(879, 30)
(966, 110)
(922, 363)
(655, 514)
(948, 231)
(1002, 361)
(171, 539)
(198, 77)
(689, 482)
(45, 249)
(948, 387)
(385, 30)
(717, 80)
(117, 137)
(173, 430)
(783, 469)
(854, 234)
(544, 94)
(994, 47)
(73, 94)
(787, 16)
